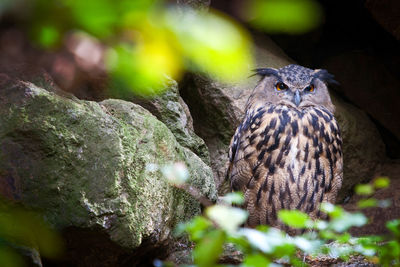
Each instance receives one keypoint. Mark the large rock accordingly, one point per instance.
(86, 166)
(217, 110)
(369, 84)
(363, 149)
(170, 108)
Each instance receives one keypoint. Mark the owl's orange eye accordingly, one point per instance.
(309, 88)
(280, 86)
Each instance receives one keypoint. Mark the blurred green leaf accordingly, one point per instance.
(266, 242)
(285, 16)
(320, 225)
(26, 228)
(389, 254)
(364, 189)
(328, 208)
(394, 226)
(49, 36)
(209, 248)
(344, 238)
(328, 235)
(212, 43)
(228, 218)
(348, 220)
(381, 182)
(285, 250)
(262, 228)
(308, 246)
(233, 198)
(9, 258)
(142, 69)
(97, 17)
(294, 218)
(196, 228)
(367, 203)
(255, 260)
(372, 202)
(332, 210)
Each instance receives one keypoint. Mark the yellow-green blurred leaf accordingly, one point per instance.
(285, 16)
(197, 227)
(364, 189)
(332, 210)
(255, 260)
(209, 248)
(212, 43)
(367, 203)
(294, 218)
(143, 69)
(381, 182)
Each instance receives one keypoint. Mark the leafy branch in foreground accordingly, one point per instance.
(266, 246)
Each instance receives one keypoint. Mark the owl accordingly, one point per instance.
(287, 152)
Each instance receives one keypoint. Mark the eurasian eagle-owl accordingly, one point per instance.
(287, 152)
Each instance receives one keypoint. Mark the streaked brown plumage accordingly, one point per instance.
(287, 152)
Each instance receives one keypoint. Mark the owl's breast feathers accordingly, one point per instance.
(285, 158)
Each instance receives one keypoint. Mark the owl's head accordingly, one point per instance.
(294, 86)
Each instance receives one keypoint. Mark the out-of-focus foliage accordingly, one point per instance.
(176, 173)
(284, 16)
(143, 41)
(367, 190)
(233, 198)
(266, 246)
(20, 228)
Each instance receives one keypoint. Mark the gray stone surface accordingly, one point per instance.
(170, 108)
(84, 164)
(370, 85)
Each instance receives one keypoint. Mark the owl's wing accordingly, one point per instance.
(335, 159)
(243, 147)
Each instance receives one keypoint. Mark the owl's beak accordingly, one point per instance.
(297, 98)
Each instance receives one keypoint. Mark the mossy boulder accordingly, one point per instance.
(85, 165)
(170, 109)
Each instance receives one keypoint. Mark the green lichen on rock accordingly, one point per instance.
(170, 108)
(84, 164)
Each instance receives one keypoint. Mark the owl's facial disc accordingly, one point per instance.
(294, 95)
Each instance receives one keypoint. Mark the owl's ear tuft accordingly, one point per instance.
(325, 76)
(265, 72)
